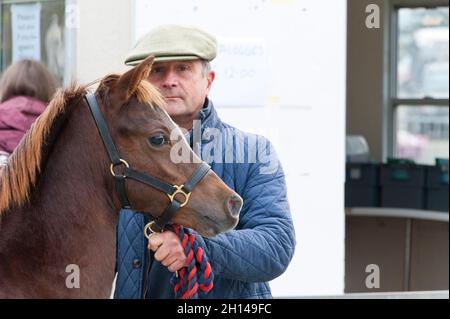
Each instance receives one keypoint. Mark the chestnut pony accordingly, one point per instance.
(58, 201)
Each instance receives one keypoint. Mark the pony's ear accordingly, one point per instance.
(130, 80)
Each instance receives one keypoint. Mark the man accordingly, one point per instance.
(261, 246)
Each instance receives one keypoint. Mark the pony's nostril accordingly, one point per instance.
(234, 204)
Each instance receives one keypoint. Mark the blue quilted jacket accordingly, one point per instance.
(243, 260)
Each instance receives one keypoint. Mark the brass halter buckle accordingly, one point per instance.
(179, 190)
(111, 168)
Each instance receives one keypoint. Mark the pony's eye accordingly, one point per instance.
(157, 140)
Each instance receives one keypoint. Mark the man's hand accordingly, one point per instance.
(168, 250)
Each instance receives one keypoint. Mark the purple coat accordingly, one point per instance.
(16, 116)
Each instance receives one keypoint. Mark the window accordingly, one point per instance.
(421, 84)
(34, 29)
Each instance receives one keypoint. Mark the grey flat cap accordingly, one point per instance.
(174, 42)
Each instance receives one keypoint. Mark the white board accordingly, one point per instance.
(301, 110)
(241, 68)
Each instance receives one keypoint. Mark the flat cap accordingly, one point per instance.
(174, 42)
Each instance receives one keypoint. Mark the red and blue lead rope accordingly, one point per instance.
(196, 279)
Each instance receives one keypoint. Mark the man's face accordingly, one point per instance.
(183, 84)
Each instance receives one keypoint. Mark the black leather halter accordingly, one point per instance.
(171, 190)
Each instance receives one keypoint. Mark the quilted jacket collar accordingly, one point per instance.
(208, 115)
(209, 119)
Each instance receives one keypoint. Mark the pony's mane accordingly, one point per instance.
(24, 166)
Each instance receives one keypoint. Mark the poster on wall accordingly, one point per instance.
(26, 27)
(241, 68)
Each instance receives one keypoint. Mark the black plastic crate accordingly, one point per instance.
(362, 196)
(362, 185)
(437, 187)
(402, 185)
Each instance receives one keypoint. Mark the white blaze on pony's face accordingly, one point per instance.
(144, 133)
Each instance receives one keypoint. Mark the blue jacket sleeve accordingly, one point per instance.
(262, 245)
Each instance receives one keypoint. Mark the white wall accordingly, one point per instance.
(103, 37)
(302, 112)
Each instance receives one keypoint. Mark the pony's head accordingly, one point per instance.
(144, 136)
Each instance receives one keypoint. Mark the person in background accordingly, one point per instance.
(26, 87)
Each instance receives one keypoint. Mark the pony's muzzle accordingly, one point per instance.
(234, 204)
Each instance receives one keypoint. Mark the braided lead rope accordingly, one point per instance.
(196, 279)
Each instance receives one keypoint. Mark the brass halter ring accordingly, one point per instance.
(148, 230)
(182, 192)
(111, 168)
